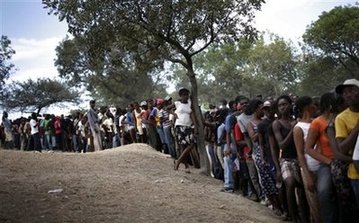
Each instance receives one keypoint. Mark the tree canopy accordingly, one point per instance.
(32, 96)
(6, 53)
(336, 34)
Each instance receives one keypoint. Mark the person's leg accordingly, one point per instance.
(312, 200)
(326, 195)
(253, 177)
(228, 175)
(183, 157)
(169, 141)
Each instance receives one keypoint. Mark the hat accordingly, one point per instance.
(183, 90)
(349, 82)
(266, 104)
(143, 103)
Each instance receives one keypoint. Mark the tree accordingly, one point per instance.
(157, 30)
(113, 81)
(318, 72)
(336, 34)
(6, 52)
(247, 68)
(30, 96)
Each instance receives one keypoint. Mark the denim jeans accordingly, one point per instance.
(161, 134)
(47, 141)
(116, 140)
(326, 195)
(228, 175)
(355, 186)
(167, 132)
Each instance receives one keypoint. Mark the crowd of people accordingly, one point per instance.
(297, 155)
(300, 155)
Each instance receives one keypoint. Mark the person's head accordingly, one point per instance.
(255, 108)
(242, 103)
(184, 94)
(284, 105)
(266, 109)
(304, 104)
(160, 103)
(350, 92)
(34, 115)
(150, 103)
(136, 105)
(143, 105)
(92, 104)
(232, 105)
(327, 101)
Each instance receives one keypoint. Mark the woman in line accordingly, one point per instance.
(183, 126)
(289, 168)
(305, 109)
(317, 135)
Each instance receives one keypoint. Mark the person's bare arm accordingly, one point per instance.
(252, 134)
(348, 143)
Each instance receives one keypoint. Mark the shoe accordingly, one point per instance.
(227, 190)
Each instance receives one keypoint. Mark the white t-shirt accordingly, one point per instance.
(243, 121)
(313, 164)
(356, 150)
(183, 112)
(34, 126)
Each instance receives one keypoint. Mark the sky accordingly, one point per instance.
(35, 34)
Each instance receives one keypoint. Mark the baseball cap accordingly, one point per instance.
(349, 82)
(266, 104)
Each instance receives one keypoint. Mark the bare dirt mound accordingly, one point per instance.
(128, 184)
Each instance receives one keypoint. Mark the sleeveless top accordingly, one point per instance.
(289, 152)
(313, 164)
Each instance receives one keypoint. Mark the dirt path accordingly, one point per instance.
(128, 184)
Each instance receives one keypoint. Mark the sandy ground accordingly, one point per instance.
(128, 184)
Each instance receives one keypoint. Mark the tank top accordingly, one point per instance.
(313, 164)
(288, 152)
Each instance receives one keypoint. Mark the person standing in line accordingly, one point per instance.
(35, 134)
(93, 121)
(8, 131)
(288, 171)
(305, 109)
(184, 121)
(347, 127)
(317, 136)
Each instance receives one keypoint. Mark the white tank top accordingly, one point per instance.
(313, 164)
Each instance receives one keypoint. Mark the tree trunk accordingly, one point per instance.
(199, 123)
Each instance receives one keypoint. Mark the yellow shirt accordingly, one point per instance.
(344, 124)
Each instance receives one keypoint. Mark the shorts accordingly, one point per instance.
(290, 168)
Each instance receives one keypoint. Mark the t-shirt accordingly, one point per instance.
(243, 121)
(34, 126)
(238, 135)
(183, 112)
(344, 124)
(320, 124)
